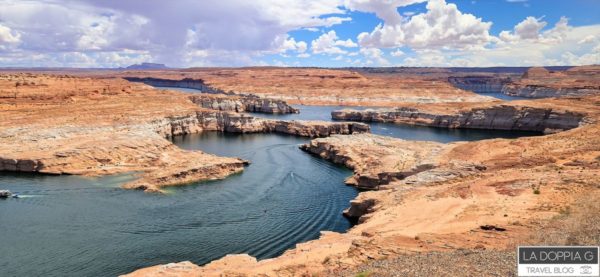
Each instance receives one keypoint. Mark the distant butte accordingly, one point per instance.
(147, 66)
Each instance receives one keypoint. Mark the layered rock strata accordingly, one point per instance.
(480, 84)
(497, 117)
(190, 83)
(228, 102)
(539, 82)
(395, 160)
(243, 104)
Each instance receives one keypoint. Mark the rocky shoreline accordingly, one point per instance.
(243, 104)
(497, 117)
(216, 99)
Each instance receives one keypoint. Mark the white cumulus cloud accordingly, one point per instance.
(442, 26)
(329, 43)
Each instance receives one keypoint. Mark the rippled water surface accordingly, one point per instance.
(72, 226)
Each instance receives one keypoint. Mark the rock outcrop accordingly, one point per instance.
(497, 117)
(240, 104)
(395, 160)
(539, 82)
(480, 84)
(208, 97)
(190, 83)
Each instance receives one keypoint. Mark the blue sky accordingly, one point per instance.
(326, 33)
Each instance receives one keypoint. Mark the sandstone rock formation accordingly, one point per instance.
(547, 116)
(230, 102)
(480, 83)
(190, 83)
(501, 117)
(539, 82)
(243, 104)
(394, 160)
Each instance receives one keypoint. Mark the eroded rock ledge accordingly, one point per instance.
(497, 117)
(183, 83)
(208, 120)
(393, 160)
(243, 104)
(229, 101)
(539, 82)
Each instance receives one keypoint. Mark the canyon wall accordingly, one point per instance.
(243, 104)
(541, 91)
(184, 83)
(498, 117)
(480, 84)
(229, 101)
(539, 82)
(209, 120)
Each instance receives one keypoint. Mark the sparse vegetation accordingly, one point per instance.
(576, 225)
(363, 274)
(536, 188)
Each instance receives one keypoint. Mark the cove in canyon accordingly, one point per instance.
(284, 197)
(239, 183)
(74, 226)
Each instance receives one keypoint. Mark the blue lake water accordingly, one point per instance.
(73, 226)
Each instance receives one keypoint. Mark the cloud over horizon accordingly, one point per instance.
(187, 33)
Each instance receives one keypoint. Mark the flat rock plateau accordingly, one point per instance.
(421, 201)
(318, 86)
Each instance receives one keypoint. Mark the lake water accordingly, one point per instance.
(74, 226)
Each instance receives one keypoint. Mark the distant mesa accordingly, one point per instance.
(147, 66)
(536, 72)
